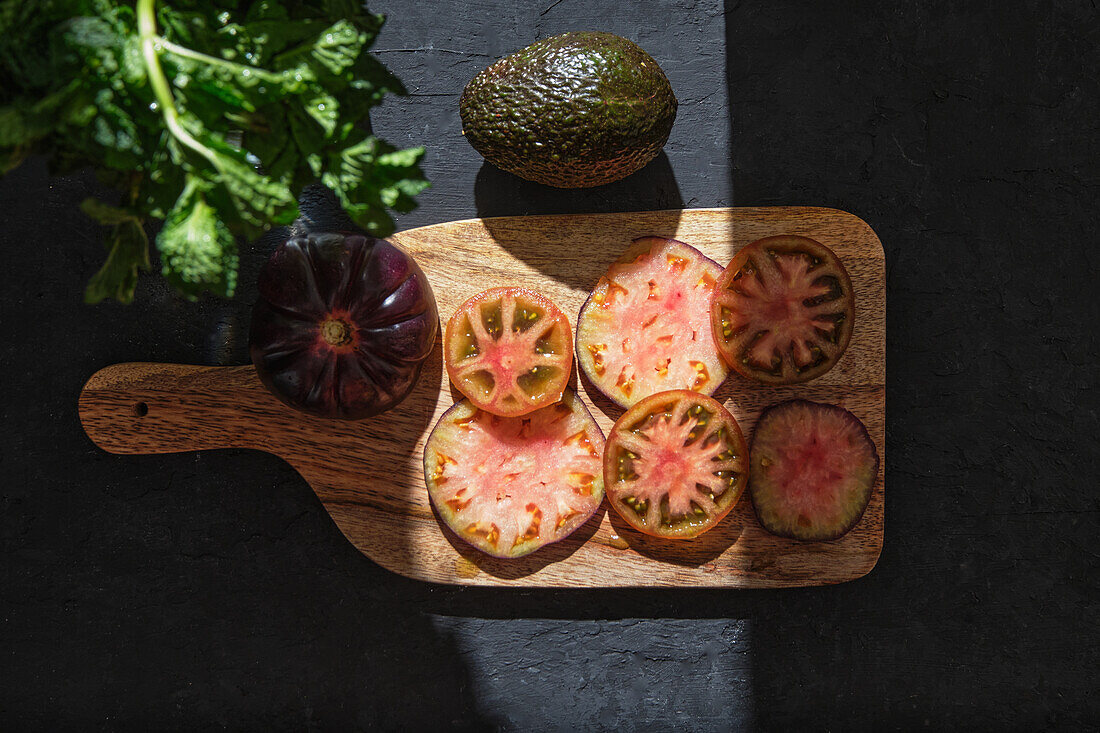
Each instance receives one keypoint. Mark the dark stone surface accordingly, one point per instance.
(211, 590)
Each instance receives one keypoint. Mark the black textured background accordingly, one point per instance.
(211, 590)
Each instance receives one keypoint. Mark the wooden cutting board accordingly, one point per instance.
(368, 474)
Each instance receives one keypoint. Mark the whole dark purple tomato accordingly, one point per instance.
(343, 324)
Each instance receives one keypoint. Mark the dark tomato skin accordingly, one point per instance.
(343, 324)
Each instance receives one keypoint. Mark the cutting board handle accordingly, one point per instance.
(139, 408)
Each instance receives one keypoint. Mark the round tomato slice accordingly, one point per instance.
(509, 350)
(646, 326)
(675, 464)
(783, 310)
(509, 485)
(813, 468)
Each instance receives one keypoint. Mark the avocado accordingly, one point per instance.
(572, 111)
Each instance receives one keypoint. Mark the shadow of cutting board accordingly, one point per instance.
(368, 474)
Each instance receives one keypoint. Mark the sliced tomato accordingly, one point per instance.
(675, 464)
(509, 350)
(812, 470)
(646, 326)
(509, 485)
(783, 310)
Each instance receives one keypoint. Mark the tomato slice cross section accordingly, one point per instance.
(783, 310)
(646, 326)
(813, 467)
(510, 485)
(675, 464)
(509, 351)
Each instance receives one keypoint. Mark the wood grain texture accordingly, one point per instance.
(368, 474)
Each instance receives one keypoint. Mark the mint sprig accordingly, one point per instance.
(207, 119)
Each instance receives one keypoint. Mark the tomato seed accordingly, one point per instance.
(702, 376)
(677, 263)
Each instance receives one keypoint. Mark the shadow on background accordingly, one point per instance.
(564, 249)
(958, 134)
(183, 590)
(653, 188)
(803, 132)
(144, 589)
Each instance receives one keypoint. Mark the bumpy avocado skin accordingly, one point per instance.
(572, 111)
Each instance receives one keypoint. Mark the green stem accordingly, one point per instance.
(147, 29)
(197, 56)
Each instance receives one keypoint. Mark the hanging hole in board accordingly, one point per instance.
(140, 409)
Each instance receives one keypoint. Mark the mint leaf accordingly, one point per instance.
(128, 252)
(333, 51)
(238, 86)
(338, 47)
(399, 178)
(269, 37)
(324, 110)
(18, 129)
(117, 132)
(267, 10)
(197, 250)
(209, 116)
(370, 177)
(104, 214)
(259, 199)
